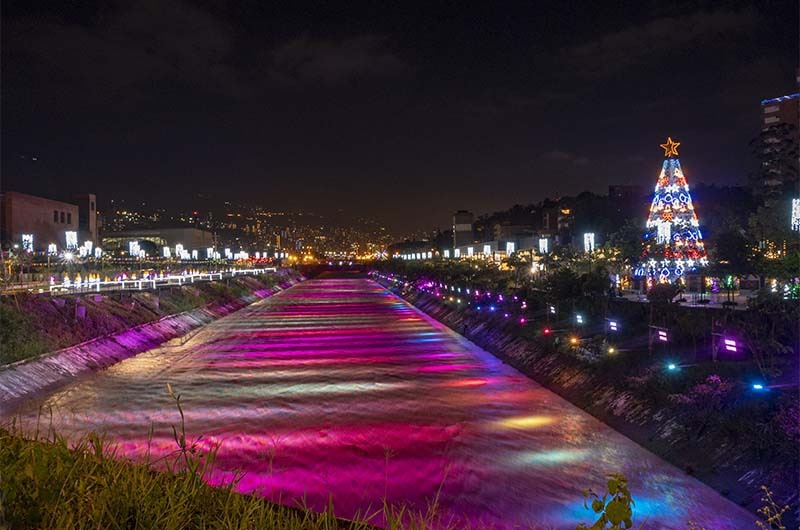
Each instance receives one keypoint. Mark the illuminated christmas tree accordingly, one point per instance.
(673, 241)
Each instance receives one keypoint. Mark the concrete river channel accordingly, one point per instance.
(338, 389)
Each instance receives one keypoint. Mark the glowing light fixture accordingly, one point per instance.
(613, 325)
(510, 248)
(27, 242)
(543, 245)
(796, 214)
(133, 248)
(588, 242)
(72, 239)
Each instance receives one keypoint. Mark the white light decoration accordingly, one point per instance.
(72, 239)
(27, 242)
(195, 254)
(544, 245)
(487, 249)
(588, 242)
(447, 253)
(179, 249)
(82, 251)
(133, 248)
(430, 254)
(166, 252)
(142, 253)
(209, 253)
(258, 254)
(510, 248)
(52, 249)
(89, 245)
(470, 252)
(457, 253)
(796, 214)
(98, 252)
(664, 232)
(228, 254)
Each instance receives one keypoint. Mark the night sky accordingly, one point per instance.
(404, 113)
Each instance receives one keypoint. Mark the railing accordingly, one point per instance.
(141, 284)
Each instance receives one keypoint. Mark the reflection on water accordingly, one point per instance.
(337, 388)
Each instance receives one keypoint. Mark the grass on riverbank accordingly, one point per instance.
(32, 324)
(53, 485)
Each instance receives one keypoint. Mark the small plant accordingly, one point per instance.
(771, 512)
(615, 507)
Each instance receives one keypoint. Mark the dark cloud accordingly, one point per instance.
(128, 53)
(558, 155)
(335, 61)
(657, 39)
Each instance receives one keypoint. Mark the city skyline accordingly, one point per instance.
(373, 112)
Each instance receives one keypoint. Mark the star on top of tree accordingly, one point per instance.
(670, 148)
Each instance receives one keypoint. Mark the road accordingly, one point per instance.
(335, 387)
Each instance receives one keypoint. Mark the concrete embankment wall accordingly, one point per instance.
(656, 428)
(27, 377)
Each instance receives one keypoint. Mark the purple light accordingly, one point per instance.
(730, 345)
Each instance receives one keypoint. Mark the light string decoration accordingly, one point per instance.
(673, 241)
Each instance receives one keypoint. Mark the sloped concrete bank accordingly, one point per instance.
(30, 376)
(721, 466)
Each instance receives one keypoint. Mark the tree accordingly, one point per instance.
(673, 241)
(563, 285)
(628, 240)
(732, 252)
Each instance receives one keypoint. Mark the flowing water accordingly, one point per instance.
(338, 389)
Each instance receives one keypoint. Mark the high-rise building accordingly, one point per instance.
(462, 228)
(777, 147)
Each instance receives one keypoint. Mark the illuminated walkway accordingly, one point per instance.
(336, 387)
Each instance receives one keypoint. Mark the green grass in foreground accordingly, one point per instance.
(57, 486)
